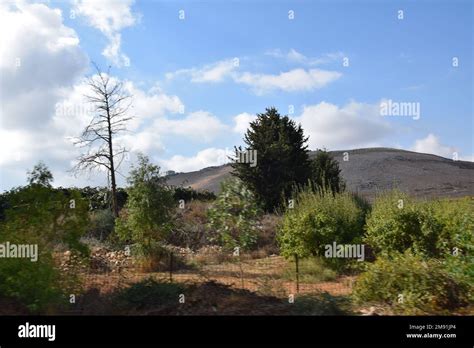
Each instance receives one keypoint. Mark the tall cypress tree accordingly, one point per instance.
(282, 158)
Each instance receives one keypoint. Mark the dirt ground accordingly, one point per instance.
(253, 287)
(259, 275)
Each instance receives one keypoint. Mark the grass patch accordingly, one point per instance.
(311, 270)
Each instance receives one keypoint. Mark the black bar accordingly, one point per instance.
(331, 330)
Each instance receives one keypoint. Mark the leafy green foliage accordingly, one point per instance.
(40, 175)
(326, 173)
(282, 158)
(234, 215)
(148, 214)
(430, 228)
(100, 197)
(36, 284)
(40, 215)
(318, 219)
(411, 285)
(188, 194)
(102, 224)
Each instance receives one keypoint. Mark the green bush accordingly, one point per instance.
(411, 285)
(148, 215)
(457, 220)
(398, 223)
(234, 215)
(40, 215)
(37, 285)
(318, 219)
(188, 194)
(102, 224)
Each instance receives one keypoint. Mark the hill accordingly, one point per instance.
(370, 170)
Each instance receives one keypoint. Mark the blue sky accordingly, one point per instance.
(282, 62)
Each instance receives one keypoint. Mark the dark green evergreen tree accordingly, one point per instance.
(281, 158)
(326, 173)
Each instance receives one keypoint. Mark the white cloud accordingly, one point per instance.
(154, 102)
(242, 121)
(110, 17)
(215, 72)
(431, 144)
(205, 158)
(290, 81)
(39, 56)
(294, 56)
(198, 125)
(351, 126)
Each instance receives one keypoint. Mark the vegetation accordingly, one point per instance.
(419, 253)
(40, 217)
(319, 219)
(147, 217)
(111, 104)
(326, 173)
(431, 228)
(234, 215)
(311, 270)
(411, 285)
(424, 253)
(40, 175)
(187, 194)
(282, 158)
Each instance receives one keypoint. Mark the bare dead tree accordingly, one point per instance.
(111, 105)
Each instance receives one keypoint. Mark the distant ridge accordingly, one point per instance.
(370, 170)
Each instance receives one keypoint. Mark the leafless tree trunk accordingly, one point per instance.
(111, 104)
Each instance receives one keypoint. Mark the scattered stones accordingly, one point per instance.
(101, 260)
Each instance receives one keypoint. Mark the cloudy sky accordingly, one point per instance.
(200, 71)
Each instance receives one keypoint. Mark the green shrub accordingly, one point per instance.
(37, 285)
(148, 215)
(40, 215)
(234, 215)
(188, 194)
(411, 285)
(432, 228)
(318, 219)
(102, 224)
(457, 219)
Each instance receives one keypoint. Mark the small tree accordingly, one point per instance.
(326, 173)
(319, 219)
(282, 158)
(234, 215)
(147, 218)
(40, 175)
